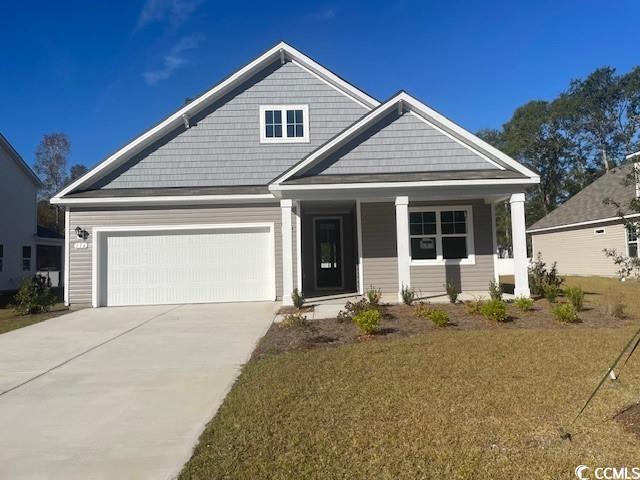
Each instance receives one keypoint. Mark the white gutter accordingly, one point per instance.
(165, 200)
(579, 224)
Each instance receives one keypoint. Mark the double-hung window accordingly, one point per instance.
(284, 123)
(632, 239)
(441, 235)
(1, 257)
(26, 259)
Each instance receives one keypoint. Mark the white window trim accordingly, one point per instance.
(628, 242)
(284, 138)
(597, 232)
(440, 260)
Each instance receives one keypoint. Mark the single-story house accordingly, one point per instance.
(286, 176)
(576, 233)
(23, 243)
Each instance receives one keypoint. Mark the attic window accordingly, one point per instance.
(284, 123)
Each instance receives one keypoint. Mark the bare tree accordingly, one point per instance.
(51, 162)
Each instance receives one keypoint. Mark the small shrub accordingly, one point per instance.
(495, 310)
(34, 296)
(374, 295)
(294, 320)
(474, 307)
(523, 304)
(452, 291)
(495, 290)
(298, 298)
(540, 276)
(408, 295)
(422, 310)
(551, 292)
(368, 321)
(351, 309)
(575, 295)
(565, 313)
(614, 305)
(439, 318)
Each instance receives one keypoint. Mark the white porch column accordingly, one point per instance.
(287, 251)
(519, 239)
(402, 241)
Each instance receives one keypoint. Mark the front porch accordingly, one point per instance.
(333, 249)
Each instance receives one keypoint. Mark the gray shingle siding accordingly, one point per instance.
(400, 144)
(222, 147)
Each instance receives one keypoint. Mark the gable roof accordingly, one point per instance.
(587, 206)
(402, 101)
(20, 161)
(281, 51)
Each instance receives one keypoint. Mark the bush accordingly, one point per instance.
(408, 295)
(440, 318)
(551, 292)
(540, 276)
(452, 291)
(495, 290)
(614, 305)
(495, 310)
(298, 298)
(423, 310)
(351, 309)
(294, 320)
(474, 307)
(575, 295)
(565, 313)
(34, 296)
(523, 303)
(373, 295)
(368, 321)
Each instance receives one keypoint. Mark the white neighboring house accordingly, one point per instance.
(22, 243)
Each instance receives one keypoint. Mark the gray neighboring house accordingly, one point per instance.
(285, 176)
(23, 243)
(575, 234)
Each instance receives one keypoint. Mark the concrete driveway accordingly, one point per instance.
(119, 393)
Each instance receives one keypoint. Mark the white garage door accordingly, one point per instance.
(171, 267)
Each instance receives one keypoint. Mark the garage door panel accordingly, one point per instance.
(188, 267)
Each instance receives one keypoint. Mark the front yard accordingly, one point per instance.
(477, 400)
(10, 320)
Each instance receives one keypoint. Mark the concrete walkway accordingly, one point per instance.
(119, 393)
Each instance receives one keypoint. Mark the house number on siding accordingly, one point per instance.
(80, 245)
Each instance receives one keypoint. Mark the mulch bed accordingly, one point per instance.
(400, 321)
(630, 418)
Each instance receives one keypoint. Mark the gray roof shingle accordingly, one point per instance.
(588, 204)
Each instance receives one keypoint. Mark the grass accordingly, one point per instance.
(600, 290)
(10, 320)
(444, 404)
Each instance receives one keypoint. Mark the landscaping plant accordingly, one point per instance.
(523, 303)
(439, 318)
(495, 310)
(294, 320)
(422, 310)
(614, 305)
(408, 295)
(575, 295)
(495, 290)
(540, 277)
(374, 295)
(298, 298)
(452, 291)
(351, 309)
(368, 321)
(565, 313)
(34, 296)
(551, 292)
(474, 307)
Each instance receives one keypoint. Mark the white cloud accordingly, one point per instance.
(324, 15)
(174, 12)
(174, 59)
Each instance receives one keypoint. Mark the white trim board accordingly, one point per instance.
(177, 118)
(400, 101)
(166, 200)
(97, 232)
(579, 224)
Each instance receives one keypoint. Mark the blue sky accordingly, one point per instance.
(103, 72)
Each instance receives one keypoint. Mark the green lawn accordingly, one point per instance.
(455, 404)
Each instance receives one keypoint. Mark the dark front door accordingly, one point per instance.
(328, 253)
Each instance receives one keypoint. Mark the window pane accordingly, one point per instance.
(299, 131)
(269, 132)
(299, 116)
(633, 249)
(423, 248)
(632, 232)
(277, 116)
(415, 228)
(277, 131)
(291, 131)
(1, 250)
(454, 247)
(415, 217)
(268, 116)
(290, 116)
(454, 222)
(26, 252)
(26, 264)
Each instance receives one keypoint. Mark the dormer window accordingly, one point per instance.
(284, 123)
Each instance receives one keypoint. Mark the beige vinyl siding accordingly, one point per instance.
(379, 251)
(579, 251)
(429, 279)
(80, 260)
(380, 263)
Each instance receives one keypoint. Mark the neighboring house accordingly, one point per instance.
(285, 176)
(576, 233)
(20, 237)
